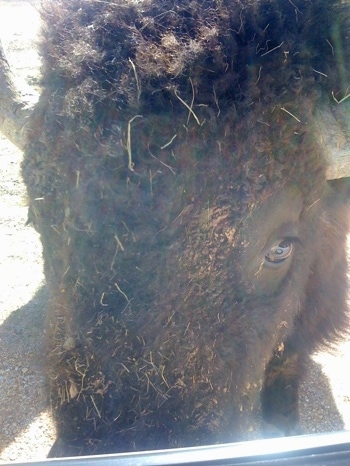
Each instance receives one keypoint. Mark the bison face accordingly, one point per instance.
(194, 253)
(172, 318)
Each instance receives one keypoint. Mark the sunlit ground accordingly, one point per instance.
(38, 434)
(336, 368)
(19, 24)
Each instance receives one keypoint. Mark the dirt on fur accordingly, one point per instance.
(26, 431)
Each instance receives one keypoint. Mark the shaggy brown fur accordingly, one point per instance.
(173, 151)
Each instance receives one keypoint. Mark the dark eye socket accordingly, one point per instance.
(280, 252)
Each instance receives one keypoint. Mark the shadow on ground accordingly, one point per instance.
(22, 373)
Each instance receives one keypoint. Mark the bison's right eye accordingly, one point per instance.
(280, 252)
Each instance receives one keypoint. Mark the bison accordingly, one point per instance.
(195, 252)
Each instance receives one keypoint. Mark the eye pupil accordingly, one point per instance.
(280, 252)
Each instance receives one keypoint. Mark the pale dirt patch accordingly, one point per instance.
(26, 431)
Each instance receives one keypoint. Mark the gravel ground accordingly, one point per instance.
(26, 432)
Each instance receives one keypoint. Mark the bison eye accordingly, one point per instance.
(280, 252)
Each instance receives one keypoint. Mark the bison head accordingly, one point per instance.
(194, 251)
